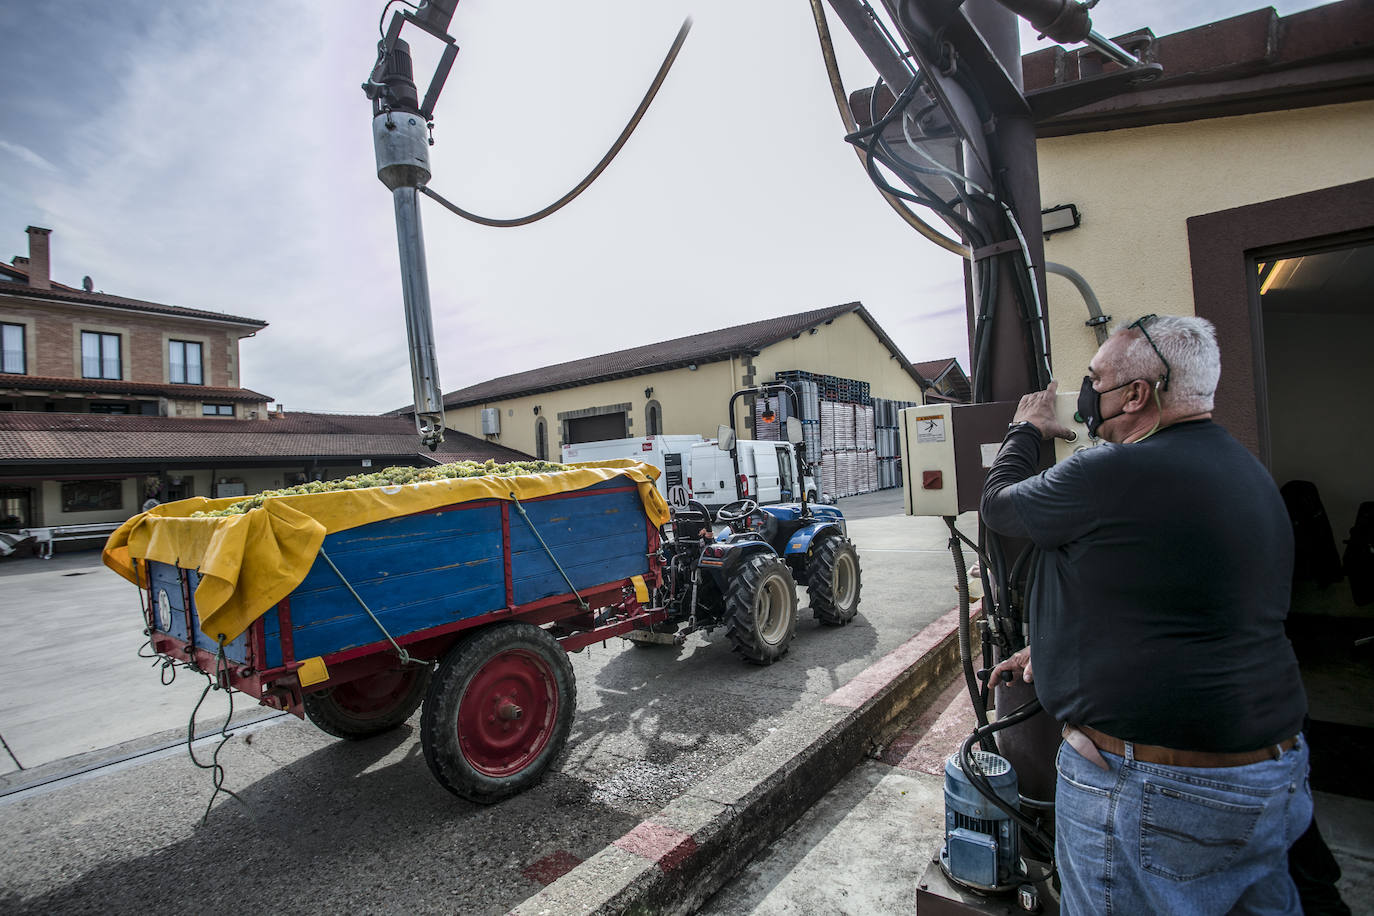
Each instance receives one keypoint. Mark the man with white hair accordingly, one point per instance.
(1160, 586)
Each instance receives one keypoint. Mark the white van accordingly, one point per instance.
(768, 473)
(670, 454)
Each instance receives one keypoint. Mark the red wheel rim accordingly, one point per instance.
(374, 695)
(506, 716)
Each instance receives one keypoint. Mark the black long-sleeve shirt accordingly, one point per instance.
(1160, 589)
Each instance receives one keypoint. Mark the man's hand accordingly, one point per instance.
(1038, 408)
(1019, 664)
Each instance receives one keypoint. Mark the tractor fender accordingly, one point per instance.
(722, 558)
(799, 544)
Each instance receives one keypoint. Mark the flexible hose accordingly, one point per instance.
(969, 764)
(965, 638)
(1096, 320)
(600, 166)
(832, 68)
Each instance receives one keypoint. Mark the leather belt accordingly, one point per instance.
(1089, 742)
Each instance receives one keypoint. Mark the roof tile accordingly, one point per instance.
(51, 437)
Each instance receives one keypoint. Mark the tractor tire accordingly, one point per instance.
(370, 705)
(498, 712)
(761, 609)
(833, 582)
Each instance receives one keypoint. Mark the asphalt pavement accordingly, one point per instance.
(100, 810)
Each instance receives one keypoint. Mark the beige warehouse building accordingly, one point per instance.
(681, 386)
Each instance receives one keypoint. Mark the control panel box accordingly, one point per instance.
(948, 448)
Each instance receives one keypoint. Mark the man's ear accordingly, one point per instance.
(1140, 396)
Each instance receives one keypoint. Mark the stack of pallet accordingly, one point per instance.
(889, 446)
(838, 424)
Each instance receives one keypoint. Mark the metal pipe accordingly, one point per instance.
(1113, 50)
(861, 21)
(1065, 21)
(1096, 320)
(424, 365)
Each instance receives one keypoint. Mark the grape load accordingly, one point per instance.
(393, 477)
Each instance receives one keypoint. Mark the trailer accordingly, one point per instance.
(356, 607)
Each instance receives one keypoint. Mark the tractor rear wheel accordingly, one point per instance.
(761, 609)
(370, 705)
(833, 583)
(498, 712)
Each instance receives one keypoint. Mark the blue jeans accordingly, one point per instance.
(1143, 838)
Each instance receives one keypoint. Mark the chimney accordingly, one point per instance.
(40, 276)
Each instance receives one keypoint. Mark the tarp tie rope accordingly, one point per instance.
(214, 766)
(523, 514)
(405, 657)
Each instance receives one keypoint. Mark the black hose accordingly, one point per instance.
(965, 643)
(979, 781)
(600, 167)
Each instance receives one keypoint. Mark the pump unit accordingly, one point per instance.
(982, 846)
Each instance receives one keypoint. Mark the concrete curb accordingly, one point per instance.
(675, 860)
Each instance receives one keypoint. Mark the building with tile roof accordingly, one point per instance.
(679, 386)
(106, 401)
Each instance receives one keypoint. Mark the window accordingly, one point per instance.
(786, 483)
(16, 507)
(107, 407)
(12, 349)
(541, 439)
(653, 419)
(92, 495)
(183, 356)
(217, 410)
(100, 355)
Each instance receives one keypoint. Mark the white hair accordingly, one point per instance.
(1188, 344)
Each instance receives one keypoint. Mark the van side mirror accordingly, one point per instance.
(794, 430)
(725, 438)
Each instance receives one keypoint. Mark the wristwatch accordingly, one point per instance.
(1023, 424)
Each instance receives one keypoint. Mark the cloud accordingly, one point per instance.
(24, 154)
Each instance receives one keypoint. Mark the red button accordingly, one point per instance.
(932, 480)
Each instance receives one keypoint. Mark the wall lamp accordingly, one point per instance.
(536, 410)
(1060, 219)
(648, 393)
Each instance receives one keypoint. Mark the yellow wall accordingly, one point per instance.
(692, 402)
(1137, 187)
(848, 348)
(695, 401)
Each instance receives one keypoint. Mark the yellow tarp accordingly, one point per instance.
(249, 562)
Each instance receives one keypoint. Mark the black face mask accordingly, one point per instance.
(1090, 405)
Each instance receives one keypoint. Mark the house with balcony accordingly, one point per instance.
(69, 350)
(107, 401)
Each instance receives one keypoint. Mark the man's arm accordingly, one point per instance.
(1050, 509)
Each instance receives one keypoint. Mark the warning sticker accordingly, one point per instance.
(930, 429)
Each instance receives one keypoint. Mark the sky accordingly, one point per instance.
(218, 155)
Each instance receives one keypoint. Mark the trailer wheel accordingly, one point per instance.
(498, 712)
(370, 705)
(833, 583)
(761, 609)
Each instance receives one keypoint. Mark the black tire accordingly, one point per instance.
(833, 582)
(478, 740)
(761, 609)
(368, 706)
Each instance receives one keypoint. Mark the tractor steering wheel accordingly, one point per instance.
(736, 511)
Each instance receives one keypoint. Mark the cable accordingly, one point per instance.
(600, 166)
(214, 766)
(850, 125)
(978, 779)
(965, 652)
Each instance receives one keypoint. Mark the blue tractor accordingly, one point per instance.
(738, 567)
